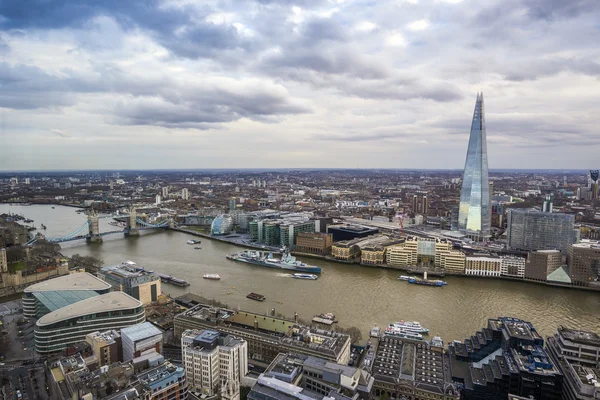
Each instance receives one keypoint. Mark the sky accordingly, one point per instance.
(152, 84)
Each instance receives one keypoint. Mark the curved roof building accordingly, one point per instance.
(222, 225)
(68, 325)
(47, 296)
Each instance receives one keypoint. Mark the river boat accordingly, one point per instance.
(264, 259)
(178, 282)
(375, 332)
(402, 333)
(191, 242)
(306, 276)
(214, 277)
(427, 282)
(256, 296)
(197, 248)
(410, 326)
(164, 278)
(28, 221)
(405, 278)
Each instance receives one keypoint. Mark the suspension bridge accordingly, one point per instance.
(90, 230)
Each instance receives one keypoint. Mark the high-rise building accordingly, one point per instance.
(547, 205)
(420, 204)
(213, 361)
(185, 194)
(534, 230)
(158, 199)
(165, 192)
(474, 215)
(594, 184)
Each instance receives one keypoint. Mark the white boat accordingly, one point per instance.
(402, 333)
(305, 276)
(191, 242)
(214, 277)
(408, 326)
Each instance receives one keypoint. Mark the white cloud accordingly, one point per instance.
(61, 133)
(395, 39)
(419, 25)
(365, 26)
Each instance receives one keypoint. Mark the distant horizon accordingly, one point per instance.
(258, 170)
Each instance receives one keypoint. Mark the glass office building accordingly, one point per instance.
(474, 213)
(535, 230)
(222, 225)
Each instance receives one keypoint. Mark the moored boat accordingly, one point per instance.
(403, 333)
(178, 282)
(286, 262)
(409, 326)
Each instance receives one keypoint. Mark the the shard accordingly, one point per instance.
(474, 213)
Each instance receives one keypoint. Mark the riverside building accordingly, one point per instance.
(540, 264)
(584, 264)
(68, 325)
(314, 243)
(483, 266)
(266, 336)
(128, 277)
(577, 354)
(44, 297)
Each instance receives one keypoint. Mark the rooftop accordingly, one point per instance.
(578, 336)
(140, 331)
(77, 281)
(53, 300)
(113, 301)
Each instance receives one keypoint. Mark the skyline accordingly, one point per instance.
(262, 85)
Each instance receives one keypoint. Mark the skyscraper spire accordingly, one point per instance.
(474, 214)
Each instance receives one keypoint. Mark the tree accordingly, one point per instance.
(89, 263)
(354, 333)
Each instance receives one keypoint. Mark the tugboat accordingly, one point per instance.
(256, 296)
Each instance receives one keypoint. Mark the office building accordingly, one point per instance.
(531, 230)
(308, 377)
(584, 264)
(222, 225)
(474, 215)
(512, 266)
(281, 229)
(349, 232)
(106, 346)
(165, 381)
(47, 296)
(483, 266)
(577, 354)
(214, 362)
(542, 263)
(411, 369)
(314, 243)
(594, 184)
(505, 358)
(420, 205)
(132, 279)
(266, 336)
(68, 325)
(185, 194)
(289, 230)
(452, 261)
(139, 339)
(547, 205)
(417, 251)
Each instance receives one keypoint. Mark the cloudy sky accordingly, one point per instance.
(143, 84)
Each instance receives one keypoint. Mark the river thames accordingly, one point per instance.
(358, 296)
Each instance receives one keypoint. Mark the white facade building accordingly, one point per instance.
(512, 266)
(185, 194)
(214, 362)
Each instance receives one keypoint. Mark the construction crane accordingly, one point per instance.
(401, 219)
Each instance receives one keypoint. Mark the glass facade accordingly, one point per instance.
(222, 225)
(536, 230)
(474, 213)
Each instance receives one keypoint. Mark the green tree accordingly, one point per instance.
(89, 263)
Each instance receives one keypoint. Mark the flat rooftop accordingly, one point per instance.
(583, 337)
(113, 301)
(77, 281)
(141, 331)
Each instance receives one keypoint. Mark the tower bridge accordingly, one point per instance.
(90, 230)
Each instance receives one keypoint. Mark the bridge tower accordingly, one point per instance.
(94, 224)
(132, 229)
(171, 223)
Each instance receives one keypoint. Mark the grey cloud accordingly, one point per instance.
(551, 9)
(539, 68)
(60, 133)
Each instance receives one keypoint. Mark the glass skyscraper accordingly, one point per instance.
(474, 212)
